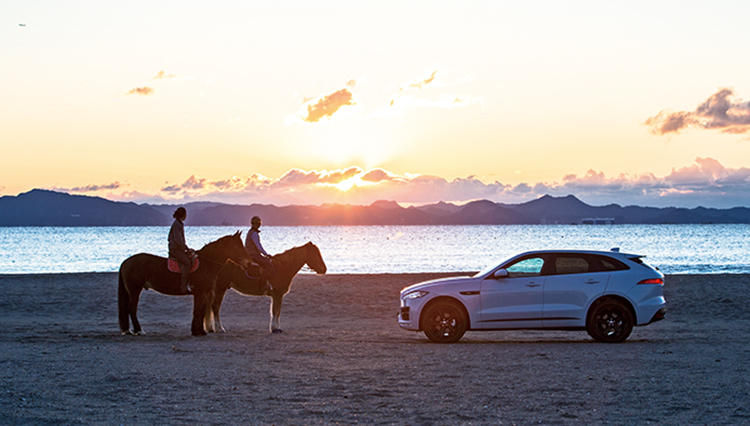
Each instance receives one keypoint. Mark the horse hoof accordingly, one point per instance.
(139, 333)
(126, 333)
(277, 331)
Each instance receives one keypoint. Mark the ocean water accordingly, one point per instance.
(388, 249)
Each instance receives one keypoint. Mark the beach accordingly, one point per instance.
(343, 358)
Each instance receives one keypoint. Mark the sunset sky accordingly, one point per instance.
(314, 102)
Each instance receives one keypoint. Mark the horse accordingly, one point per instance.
(147, 271)
(286, 266)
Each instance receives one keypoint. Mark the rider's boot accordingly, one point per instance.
(184, 285)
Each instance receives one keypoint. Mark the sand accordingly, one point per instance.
(343, 358)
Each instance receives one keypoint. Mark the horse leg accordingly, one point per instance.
(123, 304)
(199, 313)
(215, 307)
(276, 314)
(133, 308)
(208, 318)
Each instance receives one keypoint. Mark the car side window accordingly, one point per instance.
(608, 264)
(528, 267)
(571, 265)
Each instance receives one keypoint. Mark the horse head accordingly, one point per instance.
(313, 258)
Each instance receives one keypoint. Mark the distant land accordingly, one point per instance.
(41, 207)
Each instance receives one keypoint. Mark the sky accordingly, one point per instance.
(629, 102)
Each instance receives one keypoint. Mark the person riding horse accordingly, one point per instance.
(178, 249)
(256, 251)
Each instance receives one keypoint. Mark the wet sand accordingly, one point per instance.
(343, 358)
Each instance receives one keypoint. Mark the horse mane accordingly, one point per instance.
(213, 244)
(286, 253)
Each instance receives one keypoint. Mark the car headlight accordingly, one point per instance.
(415, 294)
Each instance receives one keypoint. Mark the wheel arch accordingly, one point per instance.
(443, 299)
(617, 297)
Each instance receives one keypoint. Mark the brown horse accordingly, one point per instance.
(146, 271)
(286, 266)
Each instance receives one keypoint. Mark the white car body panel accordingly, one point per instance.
(556, 301)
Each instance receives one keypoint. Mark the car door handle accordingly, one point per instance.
(532, 285)
(591, 282)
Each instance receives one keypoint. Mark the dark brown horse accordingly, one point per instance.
(286, 265)
(146, 271)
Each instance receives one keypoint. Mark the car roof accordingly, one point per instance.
(599, 252)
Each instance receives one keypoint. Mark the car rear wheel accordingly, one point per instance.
(610, 321)
(444, 322)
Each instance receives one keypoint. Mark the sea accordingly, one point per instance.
(674, 249)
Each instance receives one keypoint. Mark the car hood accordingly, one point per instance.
(433, 283)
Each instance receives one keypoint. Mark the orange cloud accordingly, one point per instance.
(143, 91)
(162, 75)
(328, 105)
(425, 82)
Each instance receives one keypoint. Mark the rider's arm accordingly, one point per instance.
(256, 240)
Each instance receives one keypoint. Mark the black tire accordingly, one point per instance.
(444, 322)
(610, 321)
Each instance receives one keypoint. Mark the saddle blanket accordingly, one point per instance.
(174, 266)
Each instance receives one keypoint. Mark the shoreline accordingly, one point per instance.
(355, 274)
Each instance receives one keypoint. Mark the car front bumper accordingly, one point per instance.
(408, 314)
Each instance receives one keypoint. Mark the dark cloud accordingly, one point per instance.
(328, 105)
(718, 112)
(143, 91)
(163, 75)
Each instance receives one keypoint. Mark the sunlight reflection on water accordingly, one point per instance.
(388, 249)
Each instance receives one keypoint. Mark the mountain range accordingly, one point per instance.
(41, 207)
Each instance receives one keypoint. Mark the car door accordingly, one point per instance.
(573, 282)
(514, 301)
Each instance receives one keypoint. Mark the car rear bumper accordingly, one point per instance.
(659, 315)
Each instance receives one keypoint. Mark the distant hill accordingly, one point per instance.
(49, 208)
(40, 207)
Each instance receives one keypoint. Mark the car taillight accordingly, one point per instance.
(659, 281)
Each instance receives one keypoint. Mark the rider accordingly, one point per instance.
(256, 251)
(178, 250)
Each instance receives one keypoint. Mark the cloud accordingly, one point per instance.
(192, 183)
(425, 82)
(295, 177)
(718, 112)
(704, 182)
(163, 75)
(377, 175)
(92, 187)
(328, 105)
(143, 91)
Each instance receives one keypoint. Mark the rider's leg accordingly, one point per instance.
(185, 265)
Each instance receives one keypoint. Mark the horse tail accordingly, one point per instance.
(123, 302)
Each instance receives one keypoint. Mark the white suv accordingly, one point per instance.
(604, 293)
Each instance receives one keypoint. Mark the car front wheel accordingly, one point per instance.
(610, 321)
(444, 322)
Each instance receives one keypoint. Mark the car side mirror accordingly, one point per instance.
(500, 273)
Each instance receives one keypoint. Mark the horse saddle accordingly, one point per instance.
(253, 270)
(174, 266)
